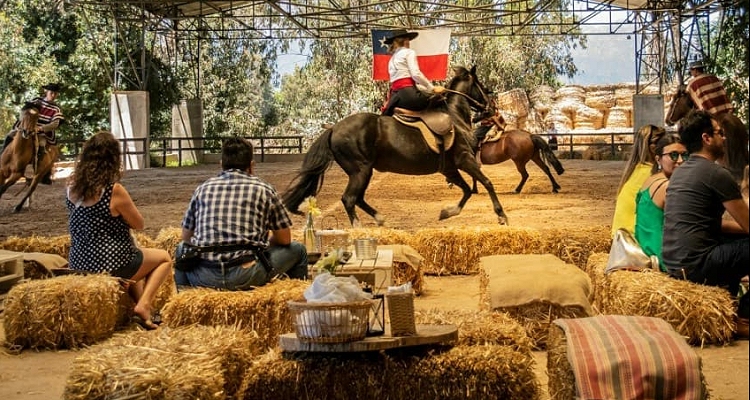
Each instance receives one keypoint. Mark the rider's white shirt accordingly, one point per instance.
(403, 64)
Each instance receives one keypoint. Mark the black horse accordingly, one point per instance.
(362, 142)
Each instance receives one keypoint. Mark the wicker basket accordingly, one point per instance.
(401, 313)
(330, 322)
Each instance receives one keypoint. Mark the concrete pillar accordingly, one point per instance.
(648, 109)
(187, 122)
(129, 118)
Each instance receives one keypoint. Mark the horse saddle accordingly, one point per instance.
(436, 127)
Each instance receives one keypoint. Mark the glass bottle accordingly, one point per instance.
(308, 235)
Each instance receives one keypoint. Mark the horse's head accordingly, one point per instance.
(681, 104)
(28, 117)
(474, 96)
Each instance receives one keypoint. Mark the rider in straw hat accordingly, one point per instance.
(405, 74)
(706, 90)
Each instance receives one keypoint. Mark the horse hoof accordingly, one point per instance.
(503, 220)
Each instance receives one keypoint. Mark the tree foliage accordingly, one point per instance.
(733, 57)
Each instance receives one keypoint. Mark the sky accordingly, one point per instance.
(608, 59)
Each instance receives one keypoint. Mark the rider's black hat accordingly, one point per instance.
(53, 87)
(400, 33)
(29, 105)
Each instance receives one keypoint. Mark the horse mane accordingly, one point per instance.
(458, 107)
(27, 119)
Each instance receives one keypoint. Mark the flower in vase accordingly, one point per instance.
(312, 206)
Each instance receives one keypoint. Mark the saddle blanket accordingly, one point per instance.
(625, 357)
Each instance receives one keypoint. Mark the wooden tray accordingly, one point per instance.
(426, 334)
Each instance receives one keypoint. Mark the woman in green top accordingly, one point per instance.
(649, 210)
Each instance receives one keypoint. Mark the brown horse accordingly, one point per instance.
(21, 152)
(735, 146)
(521, 147)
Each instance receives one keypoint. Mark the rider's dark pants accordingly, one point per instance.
(409, 98)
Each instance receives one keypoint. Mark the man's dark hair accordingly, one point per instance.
(236, 153)
(692, 128)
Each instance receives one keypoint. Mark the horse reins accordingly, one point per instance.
(483, 107)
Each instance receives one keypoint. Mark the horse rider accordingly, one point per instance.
(706, 90)
(405, 75)
(50, 118)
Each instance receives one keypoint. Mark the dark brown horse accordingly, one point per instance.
(363, 142)
(521, 147)
(735, 146)
(21, 152)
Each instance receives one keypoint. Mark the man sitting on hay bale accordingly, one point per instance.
(229, 218)
(699, 245)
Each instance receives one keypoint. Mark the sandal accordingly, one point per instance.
(148, 325)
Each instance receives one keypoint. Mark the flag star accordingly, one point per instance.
(382, 42)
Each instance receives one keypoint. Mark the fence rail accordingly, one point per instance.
(162, 147)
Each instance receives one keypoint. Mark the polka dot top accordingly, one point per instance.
(99, 242)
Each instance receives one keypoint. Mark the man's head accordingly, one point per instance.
(697, 67)
(51, 90)
(237, 153)
(700, 132)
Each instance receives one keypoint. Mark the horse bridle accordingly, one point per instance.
(474, 104)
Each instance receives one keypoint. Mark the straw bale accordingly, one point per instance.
(573, 93)
(575, 246)
(403, 272)
(383, 235)
(542, 95)
(624, 96)
(263, 310)
(598, 152)
(703, 314)
(562, 382)
(61, 312)
(560, 120)
(619, 117)
(588, 118)
(537, 317)
(164, 294)
(232, 349)
(479, 327)
(465, 372)
(600, 99)
(457, 250)
(514, 101)
(568, 107)
(143, 240)
(168, 238)
(59, 245)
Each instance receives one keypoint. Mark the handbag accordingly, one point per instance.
(186, 257)
(627, 254)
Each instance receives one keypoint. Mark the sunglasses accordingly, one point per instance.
(675, 155)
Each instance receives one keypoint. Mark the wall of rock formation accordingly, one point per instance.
(572, 107)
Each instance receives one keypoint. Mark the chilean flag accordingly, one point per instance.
(431, 47)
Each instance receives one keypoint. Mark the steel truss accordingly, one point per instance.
(667, 32)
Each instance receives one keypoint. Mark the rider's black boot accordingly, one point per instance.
(47, 178)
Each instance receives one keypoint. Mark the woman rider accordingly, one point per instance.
(405, 74)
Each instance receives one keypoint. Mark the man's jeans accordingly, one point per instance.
(290, 260)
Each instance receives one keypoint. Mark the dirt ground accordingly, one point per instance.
(407, 202)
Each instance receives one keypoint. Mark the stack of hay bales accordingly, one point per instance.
(703, 314)
(59, 245)
(263, 310)
(465, 372)
(194, 362)
(62, 312)
(514, 107)
(168, 238)
(619, 117)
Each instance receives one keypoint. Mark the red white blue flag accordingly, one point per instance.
(431, 47)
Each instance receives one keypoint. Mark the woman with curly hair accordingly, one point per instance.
(101, 215)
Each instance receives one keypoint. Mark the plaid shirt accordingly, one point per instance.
(234, 208)
(708, 94)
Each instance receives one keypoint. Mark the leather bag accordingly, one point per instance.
(627, 254)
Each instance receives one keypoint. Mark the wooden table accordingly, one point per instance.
(426, 334)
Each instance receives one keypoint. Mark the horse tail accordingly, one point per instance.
(548, 156)
(310, 178)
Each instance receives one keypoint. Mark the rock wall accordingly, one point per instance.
(571, 107)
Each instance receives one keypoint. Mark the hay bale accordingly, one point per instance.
(572, 93)
(575, 246)
(164, 294)
(562, 382)
(514, 101)
(588, 118)
(263, 310)
(457, 250)
(600, 99)
(34, 270)
(598, 152)
(59, 245)
(703, 314)
(560, 120)
(624, 96)
(619, 117)
(227, 350)
(479, 327)
(543, 96)
(465, 372)
(168, 238)
(61, 312)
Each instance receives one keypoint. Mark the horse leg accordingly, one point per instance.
(521, 168)
(538, 161)
(354, 195)
(455, 178)
(12, 179)
(467, 164)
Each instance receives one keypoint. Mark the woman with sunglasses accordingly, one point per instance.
(649, 209)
